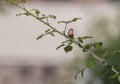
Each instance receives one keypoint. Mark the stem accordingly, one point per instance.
(65, 28)
(63, 34)
(101, 61)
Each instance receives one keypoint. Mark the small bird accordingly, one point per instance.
(70, 33)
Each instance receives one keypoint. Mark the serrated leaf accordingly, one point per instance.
(91, 64)
(68, 48)
(47, 30)
(98, 44)
(39, 37)
(60, 46)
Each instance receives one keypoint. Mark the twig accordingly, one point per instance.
(63, 34)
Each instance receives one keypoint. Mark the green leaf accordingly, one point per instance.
(119, 78)
(116, 52)
(114, 76)
(105, 55)
(37, 12)
(69, 21)
(98, 44)
(52, 34)
(104, 71)
(27, 14)
(60, 46)
(80, 71)
(24, 1)
(88, 46)
(22, 14)
(52, 16)
(71, 39)
(68, 48)
(91, 64)
(66, 22)
(80, 39)
(47, 30)
(86, 37)
(39, 37)
(75, 19)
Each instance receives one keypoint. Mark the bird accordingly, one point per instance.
(71, 33)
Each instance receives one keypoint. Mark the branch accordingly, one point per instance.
(64, 35)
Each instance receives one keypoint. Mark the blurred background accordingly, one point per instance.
(25, 60)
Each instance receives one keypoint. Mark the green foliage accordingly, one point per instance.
(16, 1)
(115, 76)
(91, 64)
(98, 44)
(106, 54)
(69, 21)
(104, 70)
(37, 12)
(60, 46)
(26, 13)
(80, 72)
(52, 34)
(80, 39)
(52, 16)
(88, 46)
(68, 48)
(86, 37)
(46, 31)
(24, 1)
(116, 52)
(39, 37)
(75, 19)
(119, 78)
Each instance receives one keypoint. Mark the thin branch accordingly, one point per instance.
(63, 34)
(65, 28)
